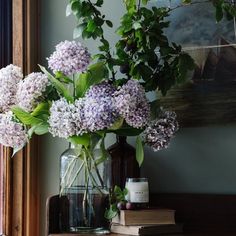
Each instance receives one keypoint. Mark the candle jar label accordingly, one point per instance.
(138, 192)
(139, 196)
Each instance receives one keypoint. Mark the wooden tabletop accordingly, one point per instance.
(86, 234)
(184, 234)
(187, 234)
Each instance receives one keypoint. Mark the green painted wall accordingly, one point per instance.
(199, 160)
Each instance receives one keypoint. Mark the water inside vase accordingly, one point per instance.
(83, 212)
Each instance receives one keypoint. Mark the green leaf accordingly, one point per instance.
(82, 84)
(91, 26)
(31, 132)
(58, 85)
(96, 140)
(125, 191)
(109, 23)
(60, 76)
(99, 21)
(137, 25)
(78, 31)
(42, 108)
(185, 63)
(105, 42)
(41, 129)
(51, 93)
(15, 150)
(139, 151)
(98, 72)
(130, 5)
(99, 3)
(82, 140)
(119, 194)
(118, 123)
(127, 131)
(68, 10)
(25, 117)
(219, 12)
(117, 190)
(111, 212)
(75, 6)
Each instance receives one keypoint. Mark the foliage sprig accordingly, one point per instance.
(143, 51)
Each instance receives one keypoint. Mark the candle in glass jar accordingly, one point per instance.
(138, 190)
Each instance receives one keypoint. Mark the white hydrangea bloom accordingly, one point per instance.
(78, 117)
(30, 91)
(70, 57)
(61, 121)
(12, 134)
(10, 76)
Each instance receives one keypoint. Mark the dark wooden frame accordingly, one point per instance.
(19, 196)
(5, 32)
(25, 194)
(5, 59)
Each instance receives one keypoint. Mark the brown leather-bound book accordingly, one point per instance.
(147, 229)
(145, 217)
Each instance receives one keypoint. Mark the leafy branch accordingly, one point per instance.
(90, 25)
(143, 51)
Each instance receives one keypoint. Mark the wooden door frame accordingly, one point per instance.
(5, 32)
(5, 162)
(21, 195)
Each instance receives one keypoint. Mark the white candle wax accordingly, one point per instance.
(138, 192)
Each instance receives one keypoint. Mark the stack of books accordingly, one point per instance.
(146, 222)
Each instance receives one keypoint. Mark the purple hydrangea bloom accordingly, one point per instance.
(99, 110)
(61, 120)
(159, 133)
(69, 58)
(10, 76)
(103, 89)
(30, 91)
(131, 103)
(12, 134)
(140, 116)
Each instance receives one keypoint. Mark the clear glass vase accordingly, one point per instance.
(84, 190)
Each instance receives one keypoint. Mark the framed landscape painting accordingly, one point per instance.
(209, 94)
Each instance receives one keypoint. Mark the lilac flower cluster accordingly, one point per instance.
(69, 58)
(10, 76)
(30, 91)
(78, 119)
(131, 103)
(159, 133)
(93, 112)
(99, 109)
(12, 134)
(61, 119)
